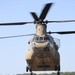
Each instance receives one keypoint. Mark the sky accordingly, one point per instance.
(12, 51)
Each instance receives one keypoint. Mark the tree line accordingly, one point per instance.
(62, 73)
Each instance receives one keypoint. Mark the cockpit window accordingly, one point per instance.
(41, 39)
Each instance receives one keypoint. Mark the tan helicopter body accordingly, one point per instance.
(43, 54)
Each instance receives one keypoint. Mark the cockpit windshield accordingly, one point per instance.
(41, 39)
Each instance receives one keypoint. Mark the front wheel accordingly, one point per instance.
(58, 67)
(27, 68)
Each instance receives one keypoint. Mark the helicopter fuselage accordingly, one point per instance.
(42, 54)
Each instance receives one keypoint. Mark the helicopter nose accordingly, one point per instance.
(41, 46)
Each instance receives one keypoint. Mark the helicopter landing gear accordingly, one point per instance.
(57, 68)
(58, 72)
(29, 69)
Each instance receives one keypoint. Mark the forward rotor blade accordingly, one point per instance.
(61, 21)
(62, 32)
(15, 23)
(34, 16)
(45, 11)
(22, 23)
(15, 36)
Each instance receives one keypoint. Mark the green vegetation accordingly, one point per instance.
(62, 73)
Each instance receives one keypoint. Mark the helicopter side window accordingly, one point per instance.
(46, 38)
(35, 39)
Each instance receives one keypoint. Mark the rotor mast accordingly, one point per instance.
(41, 26)
(41, 29)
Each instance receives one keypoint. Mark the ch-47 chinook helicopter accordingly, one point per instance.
(43, 54)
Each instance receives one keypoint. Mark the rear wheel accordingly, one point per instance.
(58, 73)
(57, 67)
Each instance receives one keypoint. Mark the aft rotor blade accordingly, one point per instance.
(45, 11)
(62, 32)
(15, 23)
(15, 36)
(61, 21)
(34, 16)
